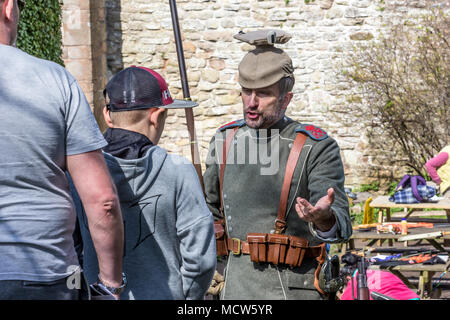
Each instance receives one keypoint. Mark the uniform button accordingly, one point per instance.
(229, 218)
(230, 229)
(290, 145)
(224, 196)
(227, 207)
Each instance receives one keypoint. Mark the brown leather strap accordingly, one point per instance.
(280, 223)
(226, 147)
(320, 259)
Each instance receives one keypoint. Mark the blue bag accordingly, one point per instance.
(413, 182)
(407, 196)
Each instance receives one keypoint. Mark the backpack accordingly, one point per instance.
(412, 181)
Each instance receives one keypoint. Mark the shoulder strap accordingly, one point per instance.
(226, 147)
(403, 182)
(280, 222)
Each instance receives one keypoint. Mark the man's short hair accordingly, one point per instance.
(128, 118)
(286, 85)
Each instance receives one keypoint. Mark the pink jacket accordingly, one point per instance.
(382, 282)
(434, 163)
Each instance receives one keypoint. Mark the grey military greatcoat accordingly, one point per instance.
(252, 186)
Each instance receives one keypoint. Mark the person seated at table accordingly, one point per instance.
(382, 282)
(438, 168)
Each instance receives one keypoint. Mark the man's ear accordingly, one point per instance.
(287, 99)
(107, 117)
(8, 9)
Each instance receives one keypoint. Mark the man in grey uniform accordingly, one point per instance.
(262, 191)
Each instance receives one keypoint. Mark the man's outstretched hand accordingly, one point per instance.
(320, 214)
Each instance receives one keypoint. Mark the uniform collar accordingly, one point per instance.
(276, 128)
(282, 123)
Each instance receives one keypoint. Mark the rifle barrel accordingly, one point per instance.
(179, 46)
(195, 156)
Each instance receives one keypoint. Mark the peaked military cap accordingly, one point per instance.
(266, 64)
(263, 37)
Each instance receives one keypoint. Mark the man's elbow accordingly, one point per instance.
(109, 202)
(104, 204)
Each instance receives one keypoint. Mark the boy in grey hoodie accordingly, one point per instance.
(170, 248)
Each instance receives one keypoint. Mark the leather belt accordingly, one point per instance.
(238, 246)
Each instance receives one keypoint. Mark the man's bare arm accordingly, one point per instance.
(97, 192)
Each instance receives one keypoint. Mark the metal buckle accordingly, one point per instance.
(238, 252)
(280, 226)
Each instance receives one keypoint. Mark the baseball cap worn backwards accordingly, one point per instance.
(266, 64)
(136, 88)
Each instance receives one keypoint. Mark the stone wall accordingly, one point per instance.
(76, 37)
(139, 32)
(85, 48)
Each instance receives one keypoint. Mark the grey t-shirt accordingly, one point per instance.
(44, 116)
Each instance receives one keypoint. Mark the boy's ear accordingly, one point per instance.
(155, 115)
(107, 117)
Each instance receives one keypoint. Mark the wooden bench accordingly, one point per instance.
(426, 273)
(373, 237)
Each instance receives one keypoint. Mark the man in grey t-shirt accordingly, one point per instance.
(46, 128)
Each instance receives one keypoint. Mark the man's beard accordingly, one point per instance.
(264, 120)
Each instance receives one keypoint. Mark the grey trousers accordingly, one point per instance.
(33, 290)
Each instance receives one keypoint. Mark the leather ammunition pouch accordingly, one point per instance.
(277, 247)
(281, 249)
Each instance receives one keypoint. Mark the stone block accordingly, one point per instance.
(218, 36)
(361, 3)
(80, 69)
(326, 4)
(81, 4)
(210, 75)
(352, 22)
(76, 37)
(362, 35)
(352, 12)
(227, 99)
(334, 13)
(217, 64)
(78, 52)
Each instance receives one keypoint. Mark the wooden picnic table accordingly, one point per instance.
(382, 202)
(373, 237)
(426, 272)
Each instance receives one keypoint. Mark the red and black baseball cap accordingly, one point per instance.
(136, 88)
